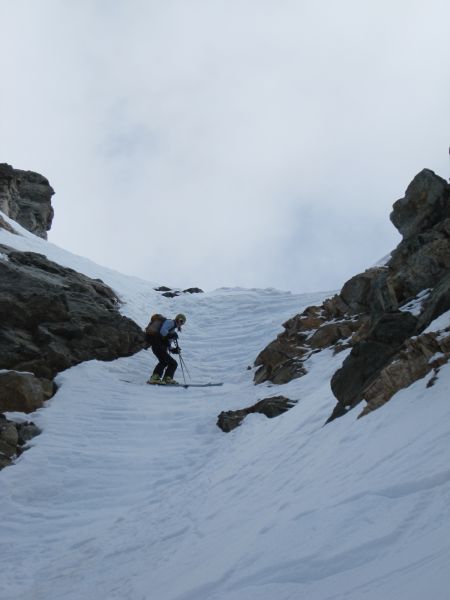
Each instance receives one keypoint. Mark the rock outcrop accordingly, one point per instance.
(418, 357)
(424, 206)
(14, 438)
(23, 392)
(270, 407)
(5, 225)
(379, 313)
(170, 293)
(52, 317)
(25, 196)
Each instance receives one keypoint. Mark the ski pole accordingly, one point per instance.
(182, 370)
(183, 362)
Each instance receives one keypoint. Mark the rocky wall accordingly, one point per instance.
(377, 313)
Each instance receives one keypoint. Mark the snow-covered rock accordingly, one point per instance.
(25, 196)
(52, 317)
(377, 312)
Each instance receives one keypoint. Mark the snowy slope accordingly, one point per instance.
(133, 493)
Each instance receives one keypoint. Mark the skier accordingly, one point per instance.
(163, 342)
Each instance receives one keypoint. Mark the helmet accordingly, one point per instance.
(181, 319)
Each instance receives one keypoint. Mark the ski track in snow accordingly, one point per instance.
(131, 492)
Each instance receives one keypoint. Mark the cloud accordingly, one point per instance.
(226, 143)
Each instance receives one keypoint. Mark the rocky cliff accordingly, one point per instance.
(51, 317)
(380, 315)
(25, 196)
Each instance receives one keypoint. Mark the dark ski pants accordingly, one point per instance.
(166, 362)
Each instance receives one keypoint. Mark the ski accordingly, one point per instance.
(183, 385)
(186, 385)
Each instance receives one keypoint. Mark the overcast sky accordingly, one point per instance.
(254, 143)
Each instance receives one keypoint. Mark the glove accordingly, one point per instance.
(176, 350)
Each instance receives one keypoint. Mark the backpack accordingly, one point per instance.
(153, 328)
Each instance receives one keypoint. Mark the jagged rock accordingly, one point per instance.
(4, 461)
(23, 392)
(230, 419)
(280, 361)
(8, 442)
(329, 334)
(270, 407)
(437, 303)
(5, 225)
(419, 263)
(371, 291)
(8, 432)
(170, 293)
(418, 357)
(52, 317)
(25, 196)
(289, 370)
(423, 218)
(13, 437)
(369, 356)
(6, 450)
(334, 308)
(26, 432)
(365, 315)
(426, 203)
(283, 359)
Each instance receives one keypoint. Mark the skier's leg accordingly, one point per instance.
(160, 351)
(171, 367)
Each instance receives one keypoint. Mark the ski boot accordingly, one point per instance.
(170, 381)
(155, 379)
